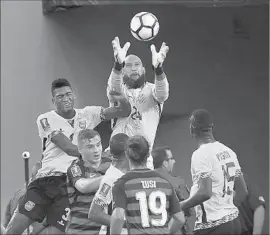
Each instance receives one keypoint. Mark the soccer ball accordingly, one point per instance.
(144, 26)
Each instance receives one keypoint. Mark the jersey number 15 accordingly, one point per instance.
(156, 203)
(228, 178)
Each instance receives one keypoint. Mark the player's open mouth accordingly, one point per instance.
(134, 75)
(67, 105)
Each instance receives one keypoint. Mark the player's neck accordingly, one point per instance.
(206, 140)
(67, 115)
(120, 165)
(91, 165)
(133, 167)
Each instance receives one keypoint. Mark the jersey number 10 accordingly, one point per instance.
(156, 204)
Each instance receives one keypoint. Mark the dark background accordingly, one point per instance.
(218, 60)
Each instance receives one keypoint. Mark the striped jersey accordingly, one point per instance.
(148, 199)
(55, 161)
(79, 202)
(219, 162)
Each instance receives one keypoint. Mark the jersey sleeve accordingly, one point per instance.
(119, 195)
(201, 166)
(75, 172)
(95, 115)
(45, 126)
(238, 170)
(103, 196)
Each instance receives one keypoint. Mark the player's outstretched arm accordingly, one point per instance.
(123, 109)
(176, 223)
(115, 79)
(97, 214)
(240, 186)
(161, 91)
(76, 175)
(88, 185)
(46, 131)
(65, 144)
(203, 193)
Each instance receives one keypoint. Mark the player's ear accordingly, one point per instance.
(165, 164)
(143, 68)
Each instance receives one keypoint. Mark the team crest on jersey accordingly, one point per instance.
(45, 124)
(29, 205)
(82, 124)
(105, 189)
(76, 171)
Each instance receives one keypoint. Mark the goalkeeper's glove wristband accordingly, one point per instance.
(117, 66)
(158, 70)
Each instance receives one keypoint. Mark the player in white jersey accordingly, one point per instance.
(101, 207)
(215, 173)
(146, 99)
(58, 129)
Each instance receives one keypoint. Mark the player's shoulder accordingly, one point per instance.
(146, 174)
(76, 163)
(47, 115)
(149, 84)
(112, 175)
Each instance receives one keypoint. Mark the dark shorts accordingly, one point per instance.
(47, 197)
(230, 228)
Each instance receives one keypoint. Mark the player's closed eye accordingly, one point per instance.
(61, 97)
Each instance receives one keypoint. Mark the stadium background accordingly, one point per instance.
(218, 60)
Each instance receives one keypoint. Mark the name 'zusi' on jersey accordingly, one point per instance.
(148, 199)
(55, 161)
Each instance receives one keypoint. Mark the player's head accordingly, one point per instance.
(118, 146)
(201, 123)
(63, 96)
(90, 147)
(133, 72)
(137, 151)
(163, 158)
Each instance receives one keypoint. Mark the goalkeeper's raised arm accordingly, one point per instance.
(115, 80)
(161, 89)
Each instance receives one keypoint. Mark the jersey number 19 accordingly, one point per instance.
(156, 203)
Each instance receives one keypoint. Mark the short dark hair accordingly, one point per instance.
(137, 149)
(118, 145)
(159, 155)
(58, 83)
(201, 121)
(87, 134)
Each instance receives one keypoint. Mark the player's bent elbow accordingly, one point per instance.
(124, 111)
(80, 186)
(162, 99)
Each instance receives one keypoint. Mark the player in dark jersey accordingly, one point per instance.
(142, 196)
(84, 176)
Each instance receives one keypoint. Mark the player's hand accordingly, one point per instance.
(159, 57)
(116, 95)
(118, 51)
